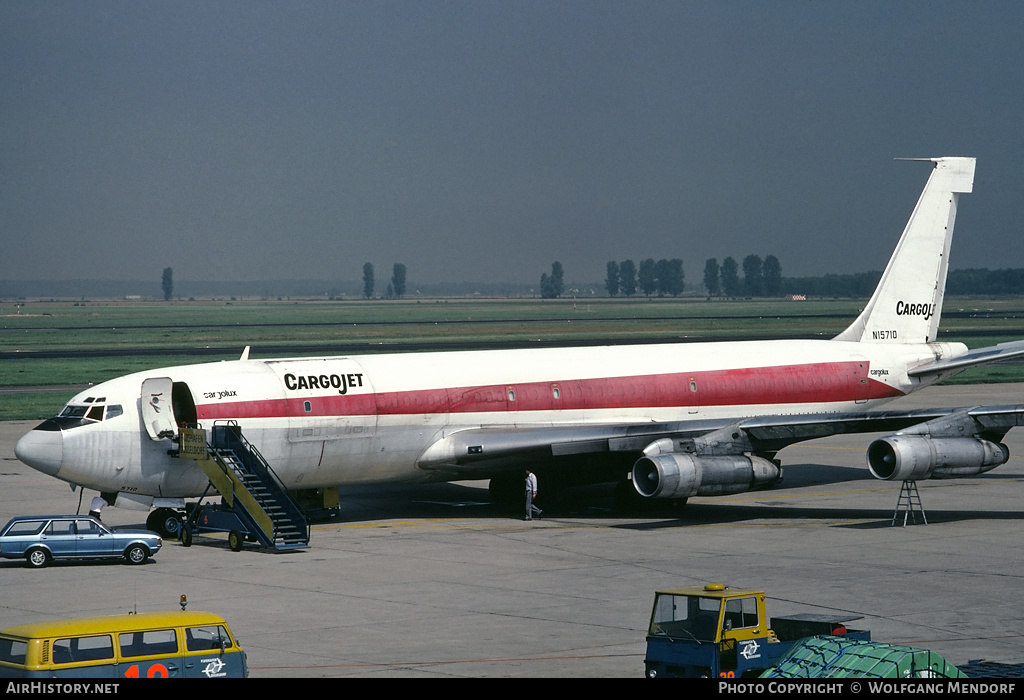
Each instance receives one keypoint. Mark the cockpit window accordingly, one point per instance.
(93, 412)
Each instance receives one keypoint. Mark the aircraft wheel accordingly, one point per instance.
(186, 535)
(235, 540)
(37, 558)
(165, 522)
(136, 554)
(628, 500)
(507, 491)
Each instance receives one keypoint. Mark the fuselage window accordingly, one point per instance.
(511, 394)
(693, 385)
(308, 406)
(555, 392)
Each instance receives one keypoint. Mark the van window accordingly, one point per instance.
(13, 651)
(206, 638)
(70, 650)
(148, 643)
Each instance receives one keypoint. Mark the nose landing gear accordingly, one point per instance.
(166, 522)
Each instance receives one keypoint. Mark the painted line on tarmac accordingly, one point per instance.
(358, 665)
(441, 525)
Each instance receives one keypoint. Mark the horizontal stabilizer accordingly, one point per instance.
(981, 356)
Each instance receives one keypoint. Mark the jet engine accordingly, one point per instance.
(680, 475)
(902, 457)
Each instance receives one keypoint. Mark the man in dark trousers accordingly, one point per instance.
(531, 493)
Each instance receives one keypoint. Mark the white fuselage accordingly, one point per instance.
(348, 420)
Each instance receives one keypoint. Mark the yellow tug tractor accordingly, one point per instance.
(719, 632)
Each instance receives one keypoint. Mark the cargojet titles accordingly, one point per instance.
(341, 382)
(905, 309)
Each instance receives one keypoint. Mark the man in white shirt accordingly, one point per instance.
(531, 493)
(97, 506)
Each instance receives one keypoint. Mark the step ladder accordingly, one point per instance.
(909, 501)
(248, 486)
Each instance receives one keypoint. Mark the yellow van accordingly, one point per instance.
(148, 645)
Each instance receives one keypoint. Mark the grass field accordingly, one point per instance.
(92, 341)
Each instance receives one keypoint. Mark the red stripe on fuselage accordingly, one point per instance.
(826, 382)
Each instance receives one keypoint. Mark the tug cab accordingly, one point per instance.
(714, 631)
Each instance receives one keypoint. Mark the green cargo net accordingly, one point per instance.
(835, 657)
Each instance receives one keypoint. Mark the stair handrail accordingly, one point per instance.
(259, 465)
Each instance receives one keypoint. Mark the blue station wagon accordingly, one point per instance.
(43, 538)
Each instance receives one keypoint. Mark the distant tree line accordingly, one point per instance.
(862, 284)
(664, 277)
(761, 278)
(985, 281)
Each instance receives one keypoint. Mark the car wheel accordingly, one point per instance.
(186, 535)
(136, 554)
(235, 541)
(37, 558)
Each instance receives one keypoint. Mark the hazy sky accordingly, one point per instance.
(480, 140)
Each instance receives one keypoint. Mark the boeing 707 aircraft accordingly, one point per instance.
(675, 420)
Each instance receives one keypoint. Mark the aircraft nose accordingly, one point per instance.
(42, 448)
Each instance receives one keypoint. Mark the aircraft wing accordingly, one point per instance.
(489, 451)
(981, 356)
(476, 449)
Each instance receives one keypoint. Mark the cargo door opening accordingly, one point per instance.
(166, 404)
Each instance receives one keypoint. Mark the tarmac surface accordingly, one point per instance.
(436, 582)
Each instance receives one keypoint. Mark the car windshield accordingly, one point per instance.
(685, 617)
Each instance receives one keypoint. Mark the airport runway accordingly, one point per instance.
(435, 582)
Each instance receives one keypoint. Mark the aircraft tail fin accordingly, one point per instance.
(907, 303)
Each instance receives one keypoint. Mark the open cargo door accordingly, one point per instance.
(157, 408)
